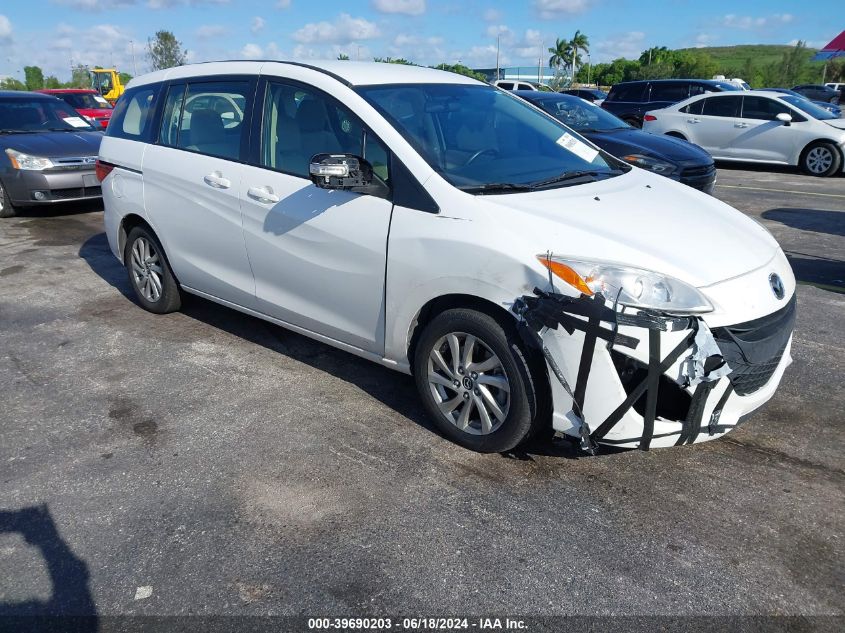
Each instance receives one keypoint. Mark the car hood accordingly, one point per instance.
(622, 142)
(839, 124)
(54, 144)
(642, 220)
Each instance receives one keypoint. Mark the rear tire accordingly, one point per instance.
(821, 159)
(149, 272)
(7, 209)
(485, 399)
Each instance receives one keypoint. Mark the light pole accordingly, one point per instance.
(589, 68)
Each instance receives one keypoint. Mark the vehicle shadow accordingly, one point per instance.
(815, 220)
(70, 606)
(823, 272)
(393, 389)
(61, 209)
(765, 167)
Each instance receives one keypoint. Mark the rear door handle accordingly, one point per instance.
(262, 194)
(693, 121)
(741, 125)
(217, 181)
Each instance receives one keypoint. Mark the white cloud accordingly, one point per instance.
(406, 7)
(343, 30)
(283, 4)
(492, 15)
(746, 22)
(258, 24)
(5, 29)
(704, 39)
(629, 45)
(252, 51)
(550, 9)
(355, 52)
(209, 31)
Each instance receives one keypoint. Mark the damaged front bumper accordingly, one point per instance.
(644, 379)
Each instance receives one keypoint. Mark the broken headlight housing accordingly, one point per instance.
(630, 286)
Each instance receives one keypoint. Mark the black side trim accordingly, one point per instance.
(124, 167)
(407, 191)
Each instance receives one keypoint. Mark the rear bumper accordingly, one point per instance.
(28, 188)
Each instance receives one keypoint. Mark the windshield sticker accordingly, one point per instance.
(75, 121)
(581, 150)
(99, 99)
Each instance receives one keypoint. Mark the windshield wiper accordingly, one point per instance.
(3, 131)
(497, 187)
(591, 174)
(63, 129)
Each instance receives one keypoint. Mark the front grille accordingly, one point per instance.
(753, 350)
(698, 172)
(749, 377)
(76, 192)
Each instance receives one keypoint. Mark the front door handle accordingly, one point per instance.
(741, 125)
(693, 121)
(217, 181)
(262, 194)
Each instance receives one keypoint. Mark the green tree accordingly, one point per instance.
(79, 77)
(34, 77)
(461, 70)
(655, 55)
(391, 60)
(52, 83)
(579, 43)
(165, 51)
(125, 78)
(343, 57)
(10, 83)
(561, 54)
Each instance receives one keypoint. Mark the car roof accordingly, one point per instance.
(542, 95)
(24, 94)
(347, 72)
(56, 91)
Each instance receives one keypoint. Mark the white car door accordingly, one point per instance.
(763, 136)
(191, 185)
(716, 127)
(318, 255)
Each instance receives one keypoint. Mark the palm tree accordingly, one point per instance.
(580, 42)
(561, 53)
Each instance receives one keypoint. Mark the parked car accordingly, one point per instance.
(49, 152)
(757, 126)
(825, 105)
(407, 215)
(630, 100)
(818, 92)
(670, 157)
(840, 88)
(89, 103)
(512, 84)
(593, 95)
(739, 82)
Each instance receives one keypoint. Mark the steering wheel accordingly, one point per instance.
(487, 150)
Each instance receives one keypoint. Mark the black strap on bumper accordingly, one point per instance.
(712, 427)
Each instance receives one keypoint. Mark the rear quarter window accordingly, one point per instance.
(133, 115)
(627, 92)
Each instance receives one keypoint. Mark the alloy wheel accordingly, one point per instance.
(819, 160)
(146, 269)
(468, 383)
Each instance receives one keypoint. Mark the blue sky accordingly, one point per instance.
(55, 33)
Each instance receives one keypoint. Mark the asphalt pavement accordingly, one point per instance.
(205, 462)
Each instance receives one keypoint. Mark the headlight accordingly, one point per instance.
(652, 164)
(633, 287)
(25, 161)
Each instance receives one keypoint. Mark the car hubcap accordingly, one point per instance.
(468, 383)
(146, 269)
(819, 160)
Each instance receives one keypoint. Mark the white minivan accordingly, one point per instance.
(447, 229)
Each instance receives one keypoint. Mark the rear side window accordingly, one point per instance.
(525, 87)
(213, 118)
(672, 92)
(169, 134)
(627, 92)
(133, 115)
(722, 106)
(506, 86)
(694, 107)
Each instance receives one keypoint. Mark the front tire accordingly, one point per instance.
(149, 273)
(7, 209)
(475, 381)
(821, 159)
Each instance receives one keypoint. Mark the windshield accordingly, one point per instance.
(809, 107)
(478, 136)
(39, 115)
(84, 101)
(580, 115)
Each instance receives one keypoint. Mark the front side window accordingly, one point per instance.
(476, 136)
(722, 106)
(213, 118)
(809, 107)
(627, 92)
(669, 91)
(762, 108)
(133, 114)
(299, 123)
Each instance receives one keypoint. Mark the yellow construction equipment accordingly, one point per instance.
(106, 81)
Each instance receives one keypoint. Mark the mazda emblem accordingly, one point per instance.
(776, 285)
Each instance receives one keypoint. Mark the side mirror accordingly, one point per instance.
(784, 117)
(340, 171)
